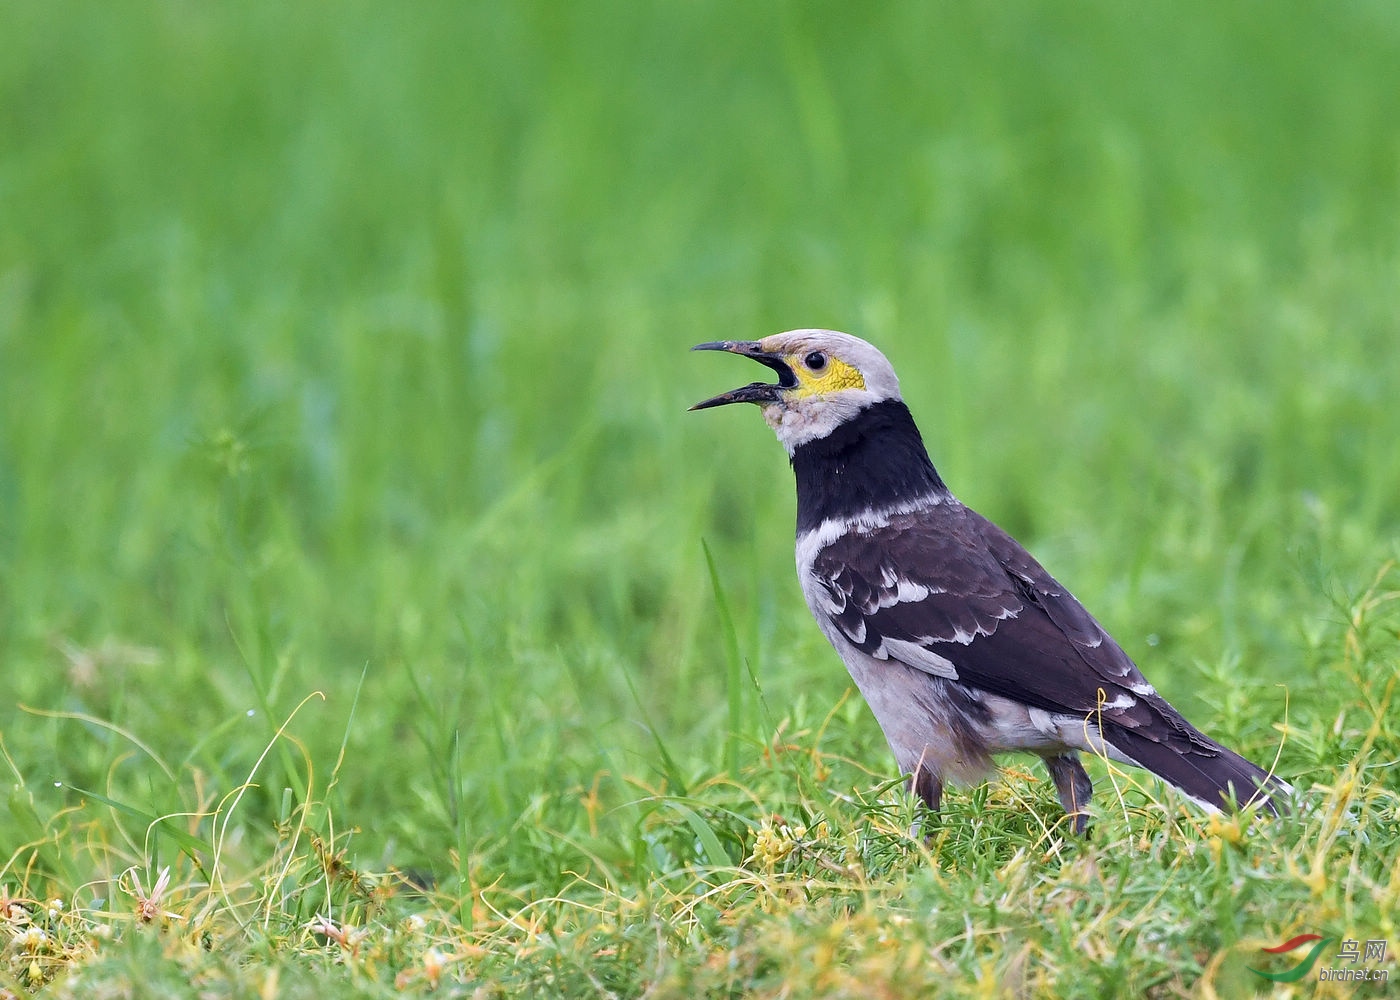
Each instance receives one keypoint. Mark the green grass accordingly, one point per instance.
(360, 564)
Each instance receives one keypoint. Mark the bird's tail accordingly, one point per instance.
(1213, 775)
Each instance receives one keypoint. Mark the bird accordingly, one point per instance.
(962, 644)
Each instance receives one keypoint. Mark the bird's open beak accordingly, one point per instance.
(754, 392)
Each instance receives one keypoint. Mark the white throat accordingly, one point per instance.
(799, 421)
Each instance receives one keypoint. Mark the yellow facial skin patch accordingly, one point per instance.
(837, 375)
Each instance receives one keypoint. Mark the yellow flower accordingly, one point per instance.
(772, 846)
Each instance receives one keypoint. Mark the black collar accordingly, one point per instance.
(876, 459)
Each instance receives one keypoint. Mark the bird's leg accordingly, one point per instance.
(1073, 787)
(928, 786)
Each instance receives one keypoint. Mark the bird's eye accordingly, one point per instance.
(816, 361)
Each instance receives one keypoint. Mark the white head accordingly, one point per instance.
(824, 379)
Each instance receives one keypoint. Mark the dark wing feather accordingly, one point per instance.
(946, 586)
(951, 582)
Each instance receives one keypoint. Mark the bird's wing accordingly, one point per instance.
(946, 591)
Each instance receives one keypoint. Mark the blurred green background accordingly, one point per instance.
(344, 340)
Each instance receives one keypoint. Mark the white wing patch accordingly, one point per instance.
(908, 591)
(963, 637)
(914, 655)
(809, 543)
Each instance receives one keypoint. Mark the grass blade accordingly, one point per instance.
(734, 677)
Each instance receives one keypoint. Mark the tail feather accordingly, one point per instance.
(1213, 775)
